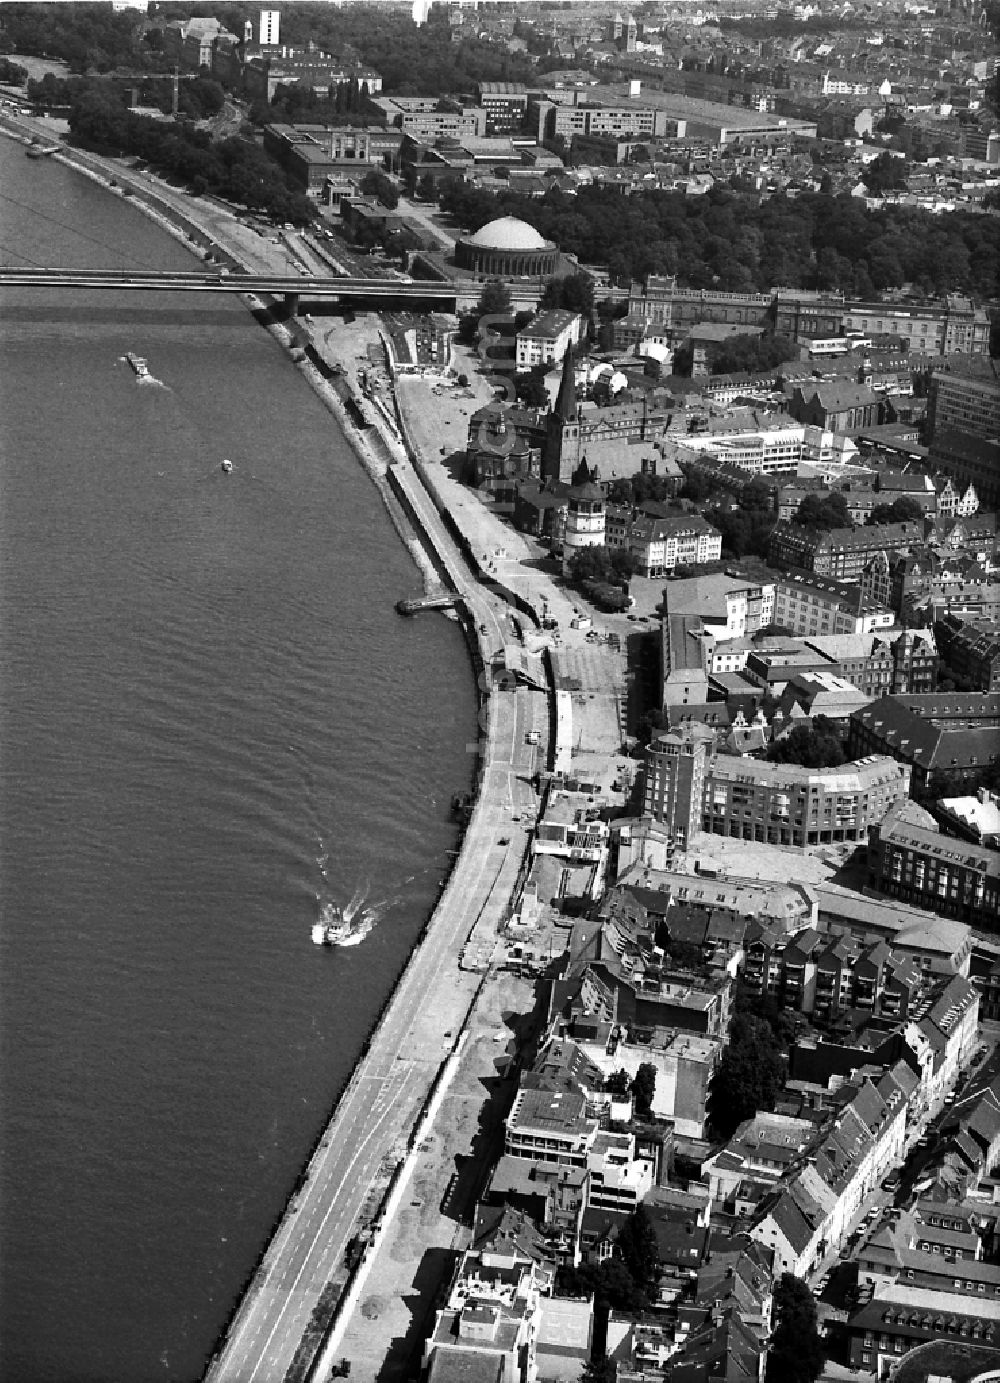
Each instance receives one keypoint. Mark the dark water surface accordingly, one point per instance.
(211, 721)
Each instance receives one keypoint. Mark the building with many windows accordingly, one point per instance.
(909, 858)
(505, 103)
(808, 605)
(662, 543)
(546, 338)
(947, 739)
(972, 651)
(967, 403)
(898, 1318)
(785, 804)
(776, 804)
(842, 553)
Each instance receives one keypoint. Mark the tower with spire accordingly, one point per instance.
(561, 454)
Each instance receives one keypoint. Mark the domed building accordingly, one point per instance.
(507, 248)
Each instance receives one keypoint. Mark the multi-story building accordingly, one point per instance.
(810, 1212)
(674, 782)
(972, 651)
(779, 804)
(969, 461)
(887, 661)
(958, 327)
(826, 974)
(662, 543)
(505, 103)
(839, 407)
(312, 155)
(584, 520)
(551, 1127)
(898, 1318)
(841, 553)
(727, 606)
(966, 403)
(783, 804)
(491, 1318)
(948, 740)
(430, 117)
(937, 946)
(909, 858)
(973, 818)
(546, 338)
(810, 605)
(766, 451)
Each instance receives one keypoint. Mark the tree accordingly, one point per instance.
(796, 1354)
(531, 389)
(756, 496)
(602, 1370)
(750, 1075)
(376, 184)
(815, 746)
(887, 173)
(643, 1090)
(902, 510)
(574, 293)
(823, 511)
(494, 299)
(618, 1084)
(760, 351)
(637, 1248)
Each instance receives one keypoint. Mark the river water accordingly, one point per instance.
(212, 721)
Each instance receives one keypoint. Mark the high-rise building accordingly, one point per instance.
(675, 780)
(270, 21)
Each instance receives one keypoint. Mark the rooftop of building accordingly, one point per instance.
(896, 830)
(508, 233)
(550, 324)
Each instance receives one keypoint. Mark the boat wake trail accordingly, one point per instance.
(357, 902)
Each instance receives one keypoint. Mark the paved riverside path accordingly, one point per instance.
(385, 1095)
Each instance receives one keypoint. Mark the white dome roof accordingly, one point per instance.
(508, 233)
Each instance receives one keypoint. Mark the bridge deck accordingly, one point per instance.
(182, 281)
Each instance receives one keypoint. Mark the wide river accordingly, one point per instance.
(212, 722)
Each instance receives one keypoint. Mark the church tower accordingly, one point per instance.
(561, 454)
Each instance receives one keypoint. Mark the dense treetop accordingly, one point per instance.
(735, 242)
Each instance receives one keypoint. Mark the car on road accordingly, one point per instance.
(892, 1182)
(533, 737)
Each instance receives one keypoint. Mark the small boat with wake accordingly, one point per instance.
(334, 929)
(138, 365)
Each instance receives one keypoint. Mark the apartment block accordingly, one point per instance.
(808, 604)
(946, 739)
(971, 650)
(784, 804)
(841, 553)
(546, 338)
(909, 858)
(966, 403)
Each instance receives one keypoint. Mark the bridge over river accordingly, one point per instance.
(293, 288)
